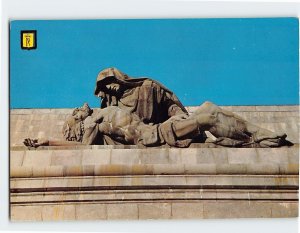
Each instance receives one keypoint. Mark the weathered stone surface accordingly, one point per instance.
(273, 155)
(122, 211)
(125, 182)
(204, 168)
(26, 213)
(66, 157)
(58, 212)
(91, 211)
(94, 157)
(154, 211)
(16, 158)
(26, 183)
(243, 155)
(192, 210)
(120, 156)
(284, 209)
(37, 158)
(235, 209)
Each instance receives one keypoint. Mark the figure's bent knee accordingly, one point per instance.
(208, 103)
(210, 107)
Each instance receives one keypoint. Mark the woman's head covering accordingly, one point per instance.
(116, 75)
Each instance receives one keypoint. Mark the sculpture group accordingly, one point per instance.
(141, 111)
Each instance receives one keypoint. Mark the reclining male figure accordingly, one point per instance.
(86, 126)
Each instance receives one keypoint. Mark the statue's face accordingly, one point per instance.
(110, 86)
(113, 87)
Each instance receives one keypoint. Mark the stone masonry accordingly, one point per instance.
(126, 182)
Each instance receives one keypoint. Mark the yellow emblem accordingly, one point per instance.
(28, 39)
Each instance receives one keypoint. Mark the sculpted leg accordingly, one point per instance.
(224, 123)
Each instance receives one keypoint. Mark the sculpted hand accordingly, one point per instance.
(35, 142)
(178, 117)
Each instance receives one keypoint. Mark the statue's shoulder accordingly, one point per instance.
(148, 82)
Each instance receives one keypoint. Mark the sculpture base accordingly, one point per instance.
(163, 183)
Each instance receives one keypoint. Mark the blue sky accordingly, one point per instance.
(226, 61)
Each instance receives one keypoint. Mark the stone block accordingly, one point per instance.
(123, 156)
(91, 211)
(55, 182)
(201, 180)
(66, 157)
(273, 155)
(289, 169)
(88, 170)
(189, 155)
(24, 172)
(122, 211)
(237, 209)
(231, 169)
(220, 155)
(112, 169)
(100, 181)
(87, 181)
(187, 210)
(292, 108)
(142, 169)
(175, 155)
(154, 210)
(175, 180)
(202, 168)
(57, 171)
(120, 181)
(37, 158)
(27, 183)
(58, 212)
(231, 194)
(293, 155)
(208, 194)
(242, 156)
(154, 156)
(171, 169)
(267, 108)
(253, 180)
(283, 195)
(94, 157)
(75, 170)
(205, 156)
(74, 182)
(103, 196)
(26, 213)
(285, 210)
(38, 171)
(263, 169)
(16, 158)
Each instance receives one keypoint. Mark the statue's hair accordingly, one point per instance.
(73, 128)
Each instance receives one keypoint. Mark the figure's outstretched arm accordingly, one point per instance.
(45, 142)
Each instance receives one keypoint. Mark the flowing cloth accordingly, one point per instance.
(150, 100)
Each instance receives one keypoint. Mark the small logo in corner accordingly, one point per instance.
(28, 39)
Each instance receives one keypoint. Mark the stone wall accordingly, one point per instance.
(125, 182)
(48, 123)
